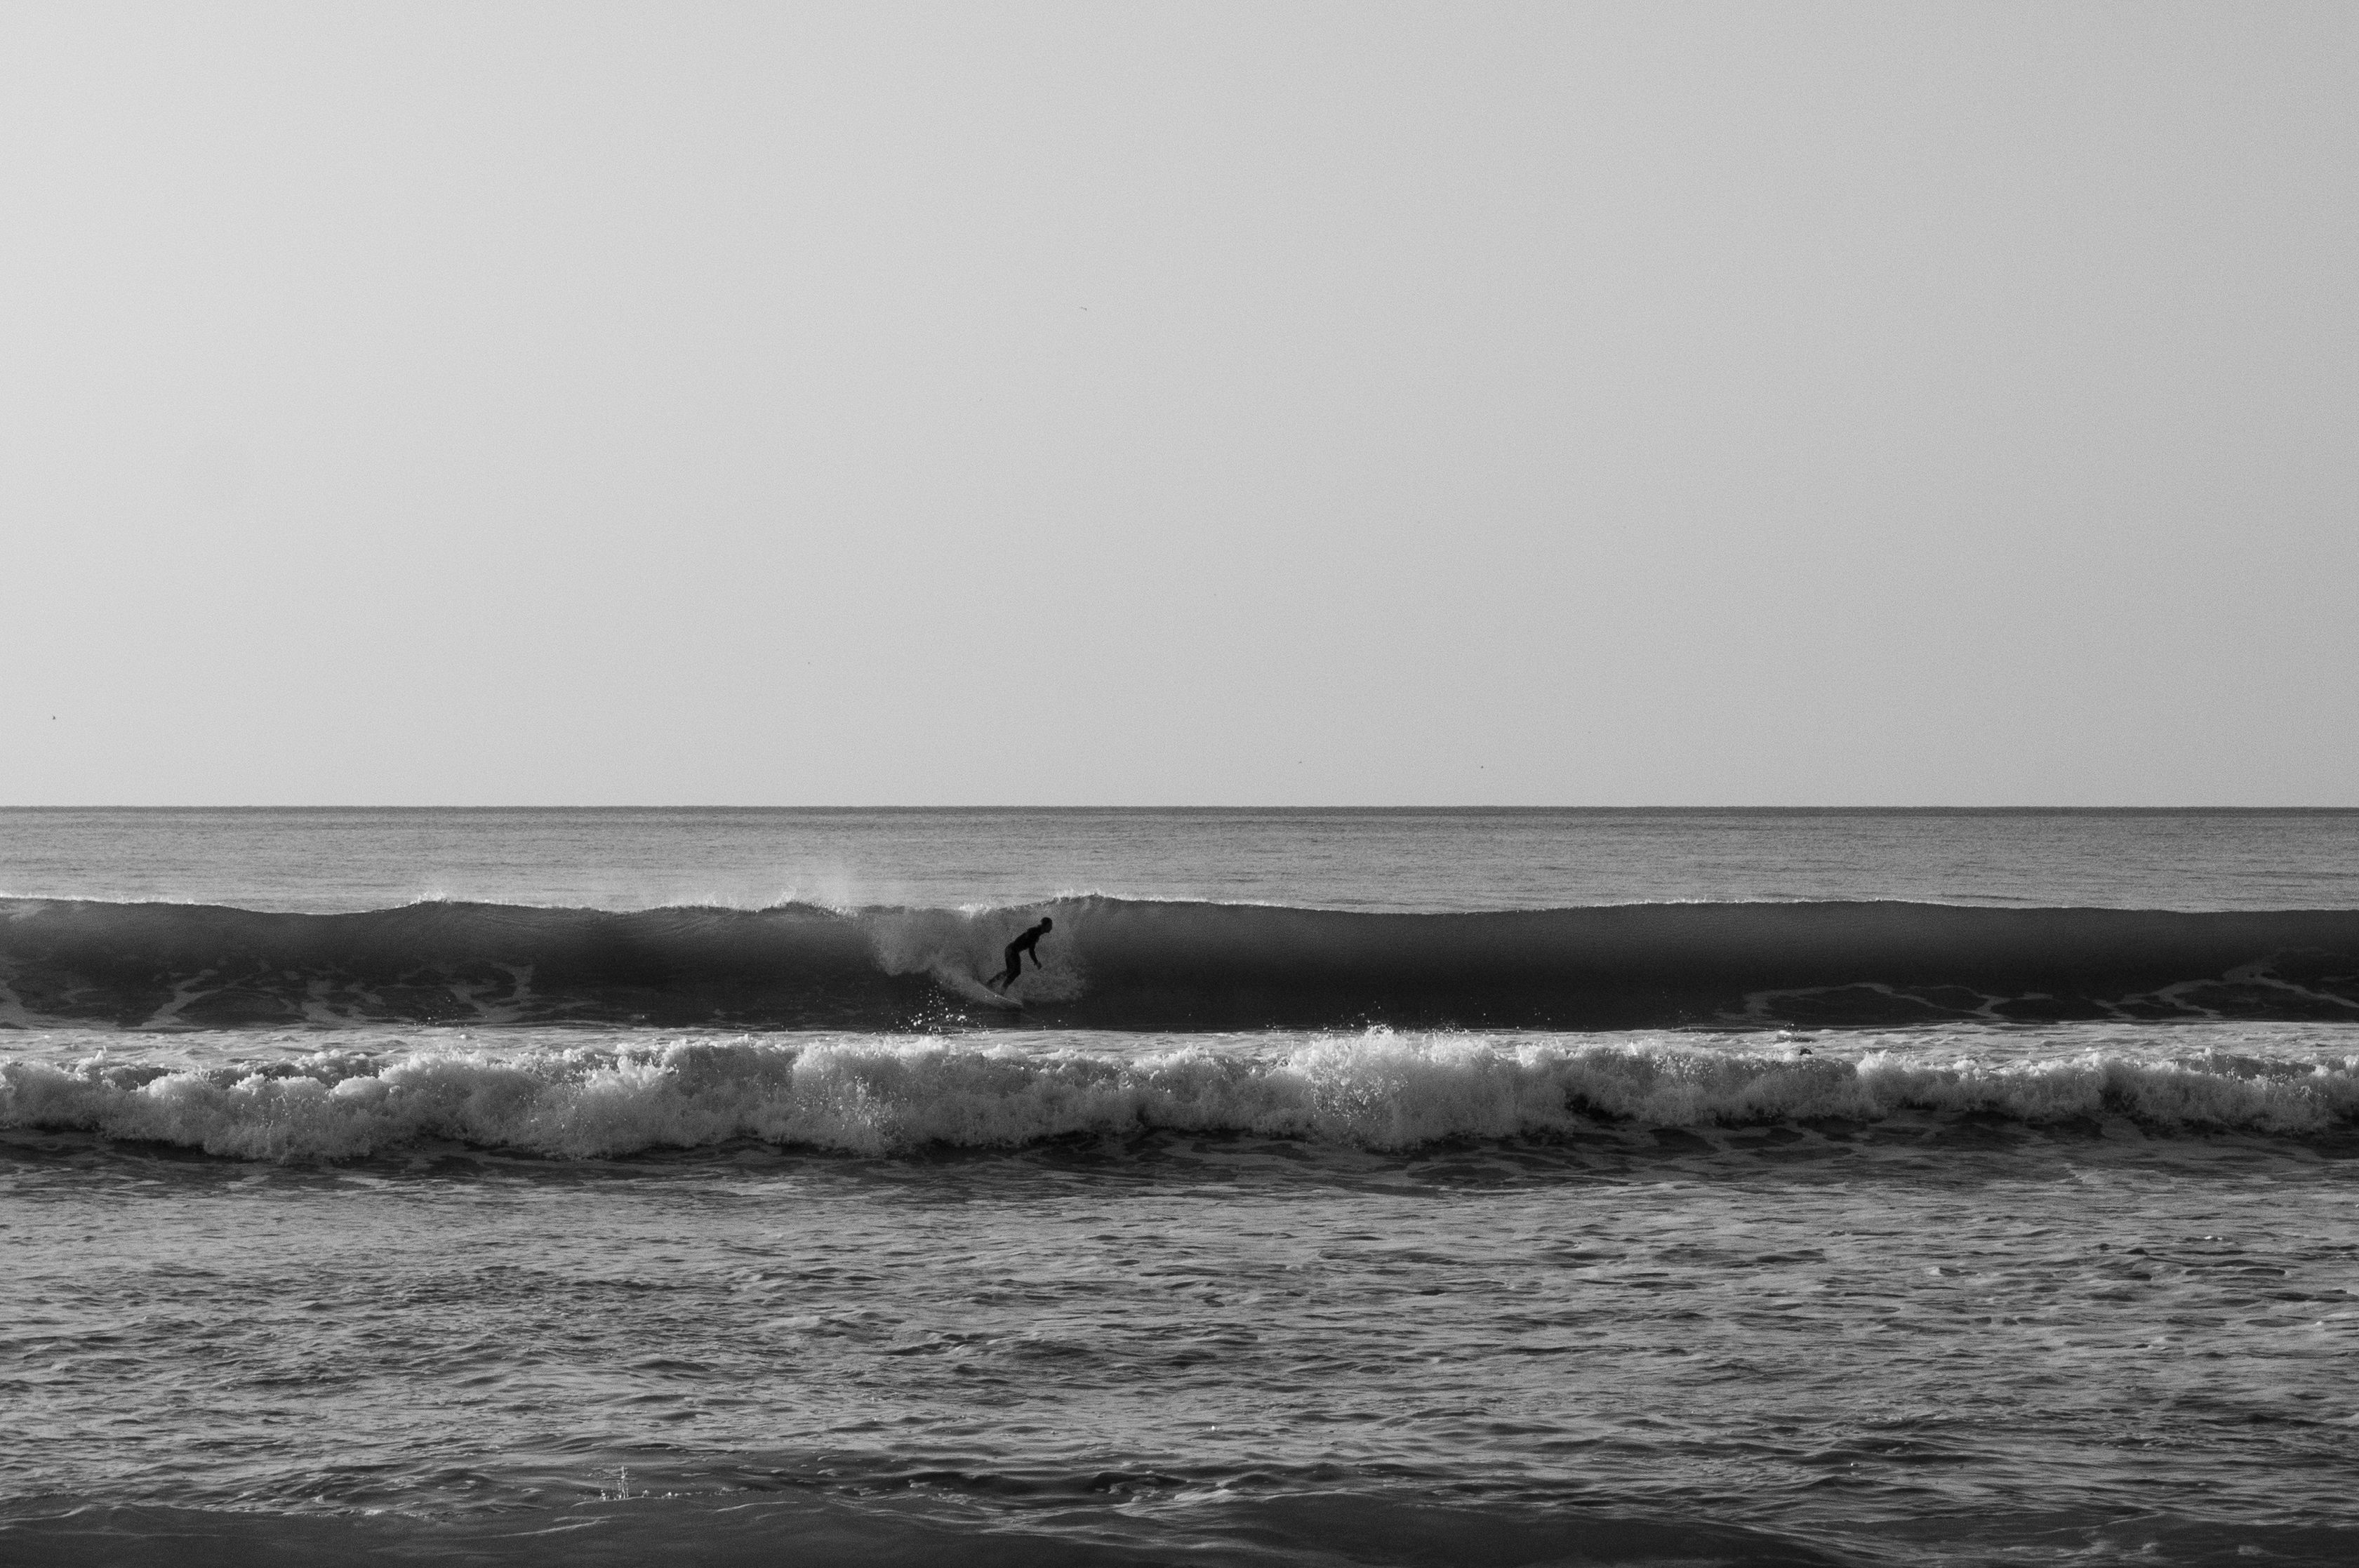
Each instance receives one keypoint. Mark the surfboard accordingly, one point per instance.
(975, 990)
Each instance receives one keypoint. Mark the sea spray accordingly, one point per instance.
(877, 1095)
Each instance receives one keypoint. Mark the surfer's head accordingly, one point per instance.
(1048, 924)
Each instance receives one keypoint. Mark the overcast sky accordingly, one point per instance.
(1199, 404)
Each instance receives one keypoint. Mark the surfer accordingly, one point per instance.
(1028, 942)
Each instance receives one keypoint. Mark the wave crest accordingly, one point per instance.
(881, 1096)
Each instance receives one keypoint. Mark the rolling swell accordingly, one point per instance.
(1121, 964)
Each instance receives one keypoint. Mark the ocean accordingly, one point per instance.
(1417, 1187)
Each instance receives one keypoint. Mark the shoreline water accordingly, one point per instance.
(1773, 1343)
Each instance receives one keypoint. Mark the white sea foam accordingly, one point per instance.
(875, 1095)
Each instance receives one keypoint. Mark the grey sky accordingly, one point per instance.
(1188, 404)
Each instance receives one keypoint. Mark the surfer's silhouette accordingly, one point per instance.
(1028, 942)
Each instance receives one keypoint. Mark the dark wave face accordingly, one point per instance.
(1118, 965)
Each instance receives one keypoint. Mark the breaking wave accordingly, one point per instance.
(875, 1095)
(1128, 965)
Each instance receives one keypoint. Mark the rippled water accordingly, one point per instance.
(338, 859)
(1967, 1293)
(1930, 1336)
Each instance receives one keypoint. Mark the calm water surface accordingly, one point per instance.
(337, 860)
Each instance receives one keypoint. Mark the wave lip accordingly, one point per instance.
(868, 1096)
(1138, 964)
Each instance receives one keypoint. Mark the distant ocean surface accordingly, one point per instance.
(333, 860)
(1344, 1187)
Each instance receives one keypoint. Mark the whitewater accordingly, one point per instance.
(550, 1094)
(1348, 1187)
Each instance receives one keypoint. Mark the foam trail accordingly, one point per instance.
(874, 1095)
